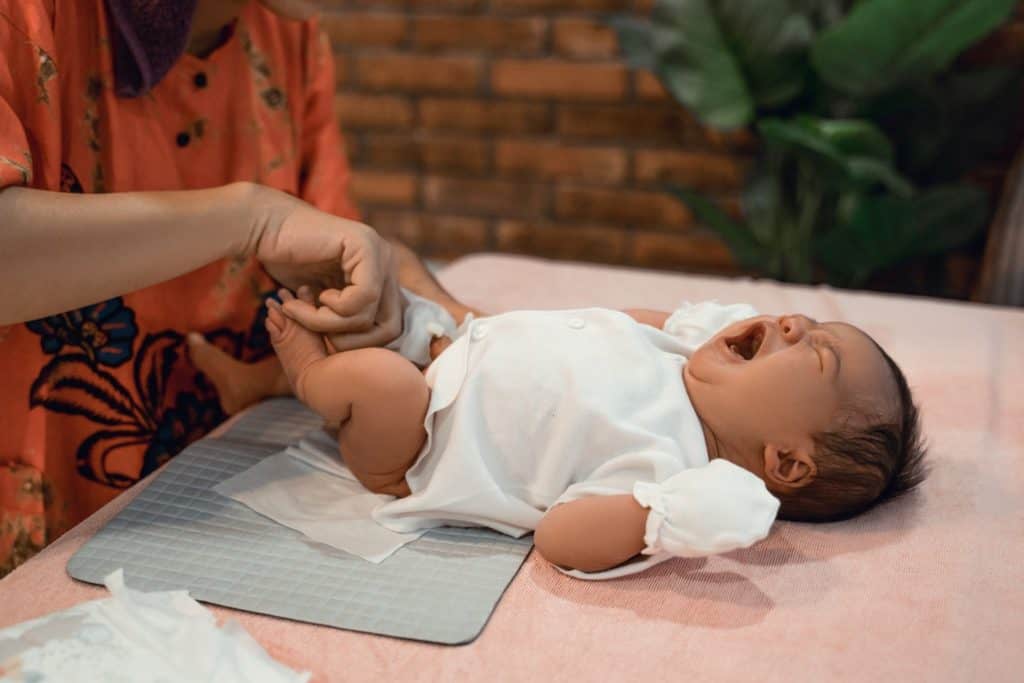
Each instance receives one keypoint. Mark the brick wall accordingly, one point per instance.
(514, 125)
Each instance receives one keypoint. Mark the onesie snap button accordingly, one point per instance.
(479, 332)
(576, 323)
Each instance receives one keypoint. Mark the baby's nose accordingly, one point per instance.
(793, 328)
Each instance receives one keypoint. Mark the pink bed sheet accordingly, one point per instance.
(930, 588)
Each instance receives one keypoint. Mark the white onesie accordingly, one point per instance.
(535, 408)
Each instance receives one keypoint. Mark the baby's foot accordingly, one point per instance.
(297, 347)
(238, 384)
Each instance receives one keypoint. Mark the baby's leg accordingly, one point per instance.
(377, 399)
(238, 384)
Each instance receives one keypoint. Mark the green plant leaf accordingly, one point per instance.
(824, 13)
(870, 171)
(837, 139)
(744, 247)
(636, 40)
(884, 43)
(771, 40)
(723, 57)
(944, 127)
(762, 203)
(884, 230)
(854, 137)
(696, 64)
(850, 152)
(948, 216)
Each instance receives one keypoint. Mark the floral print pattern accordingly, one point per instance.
(47, 72)
(105, 332)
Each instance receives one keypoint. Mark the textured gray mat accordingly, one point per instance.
(279, 421)
(178, 533)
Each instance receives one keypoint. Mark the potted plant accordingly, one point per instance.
(867, 122)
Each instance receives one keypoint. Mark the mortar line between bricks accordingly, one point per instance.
(411, 30)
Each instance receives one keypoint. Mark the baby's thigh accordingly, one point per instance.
(384, 431)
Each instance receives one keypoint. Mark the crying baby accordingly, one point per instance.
(619, 438)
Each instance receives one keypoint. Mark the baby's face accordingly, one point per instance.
(780, 380)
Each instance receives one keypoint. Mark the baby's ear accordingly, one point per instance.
(788, 469)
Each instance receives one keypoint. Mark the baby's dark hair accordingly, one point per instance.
(865, 462)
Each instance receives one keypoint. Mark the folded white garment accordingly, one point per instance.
(423, 321)
(307, 488)
(140, 637)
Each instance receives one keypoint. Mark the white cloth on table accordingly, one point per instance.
(306, 487)
(161, 637)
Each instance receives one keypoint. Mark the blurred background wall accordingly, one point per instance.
(515, 126)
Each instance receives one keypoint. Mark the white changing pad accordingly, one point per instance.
(306, 487)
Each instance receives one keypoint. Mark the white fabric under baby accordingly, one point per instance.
(141, 637)
(307, 488)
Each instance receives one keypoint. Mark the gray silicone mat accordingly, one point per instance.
(279, 421)
(178, 533)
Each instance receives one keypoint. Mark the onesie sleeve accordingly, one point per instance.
(694, 324)
(325, 178)
(29, 96)
(617, 475)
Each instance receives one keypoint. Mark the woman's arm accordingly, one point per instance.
(61, 251)
(414, 275)
(592, 534)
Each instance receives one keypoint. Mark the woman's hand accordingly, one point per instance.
(347, 264)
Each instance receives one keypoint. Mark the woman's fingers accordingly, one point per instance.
(349, 260)
(378, 336)
(353, 309)
(317, 318)
(366, 261)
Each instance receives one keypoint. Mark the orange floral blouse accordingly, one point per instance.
(94, 399)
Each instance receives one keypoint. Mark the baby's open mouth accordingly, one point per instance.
(747, 344)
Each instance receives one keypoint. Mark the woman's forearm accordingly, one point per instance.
(62, 251)
(414, 275)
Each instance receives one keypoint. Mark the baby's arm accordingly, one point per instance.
(646, 316)
(592, 534)
(696, 512)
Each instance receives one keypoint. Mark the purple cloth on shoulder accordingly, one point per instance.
(148, 36)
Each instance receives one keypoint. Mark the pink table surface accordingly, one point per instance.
(930, 588)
